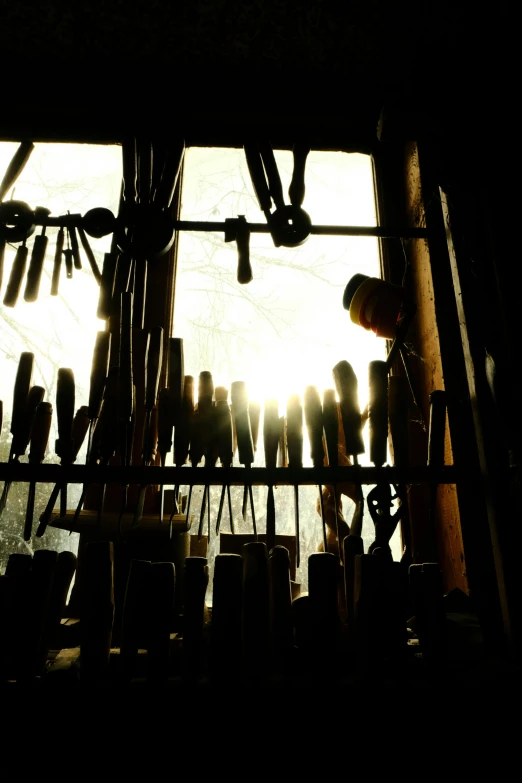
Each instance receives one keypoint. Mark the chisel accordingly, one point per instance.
(75, 249)
(25, 401)
(90, 255)
(39, 440)
(271, 431)
(57, 266)
(23, 432)
(79, 429)
(314, 424)
(331, 436)
(153, 362)
(14, 283)
(34, 272)
(294, 439)
(245, 444)
(176, 379)
(225, 445)
(65, 396)
(254, 412)
(183, 434)
(205, 395)
(15, 167)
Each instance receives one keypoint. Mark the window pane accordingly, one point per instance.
(60, 331)
(287, 328)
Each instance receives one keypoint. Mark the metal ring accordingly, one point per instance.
(17, 221)
(291, 226)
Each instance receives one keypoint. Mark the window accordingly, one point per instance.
(287, 328)
(59, 330)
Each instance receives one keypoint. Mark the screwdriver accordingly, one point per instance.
(294, 439)
(271, 432)
(57, 266)
(17, 274)
(331, 436)
(153, 361)
(39, 440)
(225, 446)
(34, 273)
(65, 394)
(314, 424)
(245, 444)
(183, 432)
(23, 432)
(205, 395)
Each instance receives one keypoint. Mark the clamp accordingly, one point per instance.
(289, 224)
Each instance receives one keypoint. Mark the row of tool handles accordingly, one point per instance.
(210, 430)
(257, 628)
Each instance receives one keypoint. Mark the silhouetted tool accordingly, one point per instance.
(314, 423)
(294, 440)
(39, 439)
(225, 445)
(245, 445)
(271, 432)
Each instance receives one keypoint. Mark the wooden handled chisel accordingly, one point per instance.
(14, 283)
(245, 444)
(65, 398)
(205, 414)
(314, 423)
(294, 439)
(39, 440)
(34, 272)
(176, 380)
(225, 446)
(271, 432)
(331, 437)
(183, 435)
(57, 265)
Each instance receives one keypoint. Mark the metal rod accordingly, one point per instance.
(391, 232)
(139, 474)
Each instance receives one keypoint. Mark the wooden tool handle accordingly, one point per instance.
(34, 273)
(128, 149)
(378, 412)
(57, 265)
(40, 432)
(183, 431)
(244, 267)
(22, 385)
(314, 422)
(122, 280)
(73, 238)
(226, 616)
(245, 444)
(176, 376)
(223, 428)
(87, 249)
(398, 395)
(296, 191)
(15, 167)
(15, 278)
(257, 175)
(140, 292)
(80, 426)
(254, 413)
(197, 447)
(346, 385)
(23, 434)
(2, 257)
(125, 359)
(99, 370)
(437, 429)
(164, 423)
(65, 394)
(170, 175)
(331, 427)
(106, 286)
(271, 432)
(161, 594)
(256, 609)
(294, 431)
(97, 608)
(153, 362)
(69, 266)
(150, 441)
(144, 155)
(274, 180)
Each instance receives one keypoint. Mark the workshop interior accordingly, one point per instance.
(259, 414)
